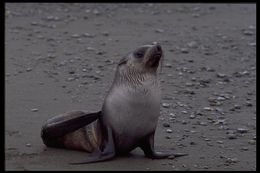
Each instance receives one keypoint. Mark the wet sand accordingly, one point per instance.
(62, 57)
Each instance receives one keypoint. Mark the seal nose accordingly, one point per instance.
(158, 48)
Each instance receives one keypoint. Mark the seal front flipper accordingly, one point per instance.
(106, 150)
(147, 145)
(60, 125)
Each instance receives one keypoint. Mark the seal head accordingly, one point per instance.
(144, 59)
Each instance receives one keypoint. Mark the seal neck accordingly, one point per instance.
(134, 78)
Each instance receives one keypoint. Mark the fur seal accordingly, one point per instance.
(128, 118)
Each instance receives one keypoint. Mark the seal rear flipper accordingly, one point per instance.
(106, 152)
(63, 124)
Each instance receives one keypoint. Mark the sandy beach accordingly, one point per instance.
(61, 57)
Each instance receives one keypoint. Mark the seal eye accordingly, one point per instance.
(140, 53)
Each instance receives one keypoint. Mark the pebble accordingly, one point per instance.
(96, 12)
(70, 79)
(192, 44)
(166, 105)
(247, 32)
(251, 27)
(184, 112)
(159, 30)
(87, 35)
(184, 122)
(171, 157)
(252, 44)
(232, 136)
(192, 116)
(193, 143)
(220, 142)
(221, 98)
(252, 142)
(169, 131)
(231, 160)
(203, 123)
(167, 137)
(249, 104)
(221, 75)
(168, 65)
(237, 106)
(166, 125)
(75, 35)
(184, 50)
(207, 109)
(34, 110)
(172, 115)
(242, 130)
(28, 145)
(90, 48)
(245, 148)
(105, 33)
(29, 69)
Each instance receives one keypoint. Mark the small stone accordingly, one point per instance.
(232, 160)
(192, 143)
(96, 12)
(169, 131)
(87, 35)
(166, 105)
(99, 52)
(242, 130)
(195, 15)
(167, 137)
(207, 109)
(249, 104)
(244, 148)
(203, 123)
(221, 98)
(168, 65)
(90, 48)
(75, 35)
(247, 32)
(166, 125)
(192, 44)
(28, 145)
(237, 106)
(252, 44)
(184, 122)
(232, 136)
(252, 142)
(105, 33)
(189, 84)
(220, 142)
(184, 112)
(70, 79)
(172, 115)
(34, 110)
(184, 50)
(159, 30)
(192, 116)
(171, 157)
(29, 69)
(221, 75)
